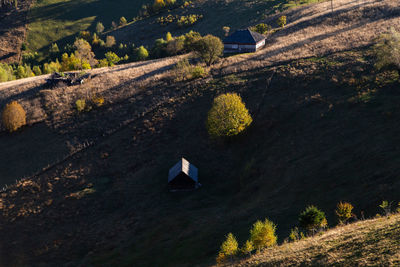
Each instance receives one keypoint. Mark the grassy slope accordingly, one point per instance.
(318, 130)
(372, 242)
(59, 20)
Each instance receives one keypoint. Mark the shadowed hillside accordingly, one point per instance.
(325, 129)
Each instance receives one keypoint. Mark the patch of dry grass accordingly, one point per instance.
(364, 243)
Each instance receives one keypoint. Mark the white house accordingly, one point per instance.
(242, 41)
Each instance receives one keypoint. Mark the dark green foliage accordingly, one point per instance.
(209, 48)
(312, 219)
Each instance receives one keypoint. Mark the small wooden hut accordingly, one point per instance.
(183, 176)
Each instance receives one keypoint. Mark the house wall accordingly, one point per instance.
(233, 48)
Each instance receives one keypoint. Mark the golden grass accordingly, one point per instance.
(315, 31)
(370, 242)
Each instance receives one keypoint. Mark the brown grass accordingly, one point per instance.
(315, 31)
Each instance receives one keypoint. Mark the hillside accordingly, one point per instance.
(365, 243)
(326, 129)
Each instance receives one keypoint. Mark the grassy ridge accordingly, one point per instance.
(366, 243)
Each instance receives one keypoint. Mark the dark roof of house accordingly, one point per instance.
(183, 166)
(244, 36)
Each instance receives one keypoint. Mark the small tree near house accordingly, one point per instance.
(209, 48)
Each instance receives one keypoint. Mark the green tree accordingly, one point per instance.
(142, 53)
(312, 219)
(229, 247)
(281, 21)
(209, 48)
(123, 21)
(387, 50)
(228, 116)
(262, 234)
(99, 27)
(261, 28)
(37, 70)
(344, 211)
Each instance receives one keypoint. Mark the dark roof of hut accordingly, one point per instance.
(245, 37)
(183, 166)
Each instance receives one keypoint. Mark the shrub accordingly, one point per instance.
(142, 53)
(98, 101)
(80, 105)
(261, 28)
(198, 72)
(247, 248)
(343, 211)
(294, 234)
(386, 206)
(6, 73)
(168, 37)
(110, 41)
(281, 21)
(112, 58)
(52, 67)
(175, 46)
(37, 70)
(209, 48)
(262, 234)
(312, 219)
(191, 39)
(387, 50)
(229, 247)
(14, 116)
(102, 63)
(99, 27)
(83, 51)
(226, 30)
(122, 21)
(228, 116)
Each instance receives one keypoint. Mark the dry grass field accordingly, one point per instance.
(372, 242)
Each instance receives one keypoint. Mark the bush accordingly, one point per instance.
(262, 234)
(387, 50)
(52, 67)
(99, 27)
(80, 105)
(247, 248)
(343, 211)
(261, 28)
(122, 21)
(6, 73)
(142, 53)
(281, 21)
(110, 41)
(112, 58)
(229, 247)
(209, 48)
(312, 219)
(228, 116)
(294, 234)
(198, 72)
(37, 70)
(14, 116)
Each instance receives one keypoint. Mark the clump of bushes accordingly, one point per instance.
(13, 116)
(261, 28)
(312, 219)
(228, 116)
(183, 70)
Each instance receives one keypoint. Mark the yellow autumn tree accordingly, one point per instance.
(228, 116)
(13, 116)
